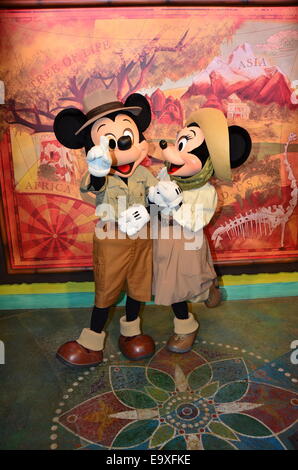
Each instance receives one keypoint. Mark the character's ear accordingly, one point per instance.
(66, 123)
(240, 145)
(144, 118)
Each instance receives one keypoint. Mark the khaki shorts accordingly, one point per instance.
(122, 265)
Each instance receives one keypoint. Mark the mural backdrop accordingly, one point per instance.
(240, 60)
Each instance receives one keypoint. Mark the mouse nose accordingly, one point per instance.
(163, 144)
(124, 143)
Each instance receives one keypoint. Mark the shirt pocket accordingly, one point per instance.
(137, 194)
(117, 199)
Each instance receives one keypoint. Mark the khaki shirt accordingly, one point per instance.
(198, 207)
(115, 196)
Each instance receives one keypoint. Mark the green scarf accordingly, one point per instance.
(195, 181)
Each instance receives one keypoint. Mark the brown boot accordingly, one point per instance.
(214, 298)
(132, 343)
(85, 352)
(185, 332)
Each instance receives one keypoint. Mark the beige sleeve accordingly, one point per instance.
(197, 209)
(85, 191)
(86, 197)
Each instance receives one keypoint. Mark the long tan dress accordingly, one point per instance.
(180, 273)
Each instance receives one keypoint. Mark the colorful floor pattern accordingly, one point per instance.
(237, 389)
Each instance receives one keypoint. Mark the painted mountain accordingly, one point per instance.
(245, 75)
(165, 109)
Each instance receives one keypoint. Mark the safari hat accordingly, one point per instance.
(101, 103)
(215, 129)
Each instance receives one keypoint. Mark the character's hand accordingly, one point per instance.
(133, 219)
(168, 192)
(98, 158)
(155, 197)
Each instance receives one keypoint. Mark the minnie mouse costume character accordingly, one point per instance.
(205, 146)
(112, 134)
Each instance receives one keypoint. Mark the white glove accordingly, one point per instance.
(155, 197)
(166, 194)
(133, 219)
(98, 158)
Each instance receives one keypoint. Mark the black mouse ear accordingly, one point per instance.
(240, 145)
(66, 124)
(144, 118)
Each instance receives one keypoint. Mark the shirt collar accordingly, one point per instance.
(137, 177)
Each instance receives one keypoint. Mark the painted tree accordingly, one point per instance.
(127, 55)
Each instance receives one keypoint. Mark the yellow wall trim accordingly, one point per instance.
(68, 287)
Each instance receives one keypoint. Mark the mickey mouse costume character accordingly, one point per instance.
(205, 146)
(112, 134)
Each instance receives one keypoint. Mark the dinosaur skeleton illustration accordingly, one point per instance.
(263, 221)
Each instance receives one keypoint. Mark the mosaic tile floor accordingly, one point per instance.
(237, 389)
